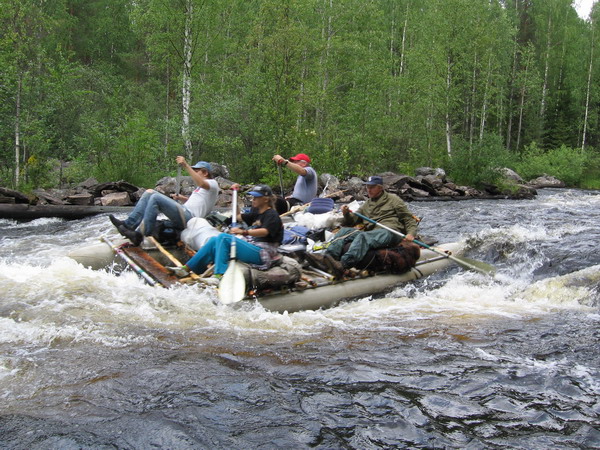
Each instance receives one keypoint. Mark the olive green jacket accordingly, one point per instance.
(389, 210)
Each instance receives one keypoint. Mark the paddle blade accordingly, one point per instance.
(232, 287)
(473, 264)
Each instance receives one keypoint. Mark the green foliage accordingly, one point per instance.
(135, 156)
(40, 173)
(78, 170)
(361, 86)
(479, 164)
(565, 163)
(591, 174)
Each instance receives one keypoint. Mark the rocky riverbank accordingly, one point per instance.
(428, 184)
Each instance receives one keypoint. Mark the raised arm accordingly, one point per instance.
(199, 176)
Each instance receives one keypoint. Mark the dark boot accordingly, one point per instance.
(134, 236)
(116, 222)
(317, 260)
(334, 266)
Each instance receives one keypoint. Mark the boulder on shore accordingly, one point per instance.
(545, 181)
(428, 184)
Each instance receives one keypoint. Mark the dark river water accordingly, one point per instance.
(89, 359)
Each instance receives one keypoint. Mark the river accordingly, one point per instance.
(90, 359)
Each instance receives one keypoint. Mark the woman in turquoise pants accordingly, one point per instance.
(258, 245)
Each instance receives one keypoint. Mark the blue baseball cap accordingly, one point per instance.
(374, 180)
(202, 165)
(261, 190)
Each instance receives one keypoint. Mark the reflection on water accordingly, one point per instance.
(91, 359)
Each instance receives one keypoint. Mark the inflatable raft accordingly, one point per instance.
(315, 289)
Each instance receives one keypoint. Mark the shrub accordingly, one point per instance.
(135, 157)
(565, 163)
(479, 164)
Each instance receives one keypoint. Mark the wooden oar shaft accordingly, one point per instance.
(459, 261)
(151, 281)
(280, 180)
(168, 254)
(178, 180)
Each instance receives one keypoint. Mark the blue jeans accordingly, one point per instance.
(217, 250)
(149, 206)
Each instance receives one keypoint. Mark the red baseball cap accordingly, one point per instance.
(300, 157)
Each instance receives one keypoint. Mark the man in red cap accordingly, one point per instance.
(306, 183)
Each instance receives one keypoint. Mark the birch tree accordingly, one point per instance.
(590, 73)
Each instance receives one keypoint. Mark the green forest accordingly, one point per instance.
(115, 89)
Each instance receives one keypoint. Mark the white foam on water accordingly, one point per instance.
(13, 224)
(516, 236)
(571, 199)
(68, 301)
(65, 301)
(571, 290)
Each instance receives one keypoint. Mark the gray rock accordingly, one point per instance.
(219, 170)
(447, 192)
(87, 183)
(545, 181)
(81, 199)
(432, 181)
(425, 171)
(116, 199)
(511, 175)
(417, 183)
(329, 183)
(355, 187)
(47, 199)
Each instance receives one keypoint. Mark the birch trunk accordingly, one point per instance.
(392, 59)
(448, 126)
(485, 99)
(18, 131)
(302, 109)
(512, 89)
(522, 107)
(545, 84)
(187, 79)
(588, 89)
(326, 33)
(471, 114)
(403, 51)
(392, 41)
(167, 111)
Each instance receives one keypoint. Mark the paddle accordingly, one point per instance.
(281, 204)
(171, 258)
(232, 287)
(471, 264)
(280, 180)
(141, 272)
(178, 180)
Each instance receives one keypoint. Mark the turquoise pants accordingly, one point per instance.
(216, 250)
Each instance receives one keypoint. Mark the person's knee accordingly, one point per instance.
(224, 237)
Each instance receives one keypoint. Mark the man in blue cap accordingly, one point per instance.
(142, 219)
(383, 207)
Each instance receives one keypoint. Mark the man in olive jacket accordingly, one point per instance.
(383, 207)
